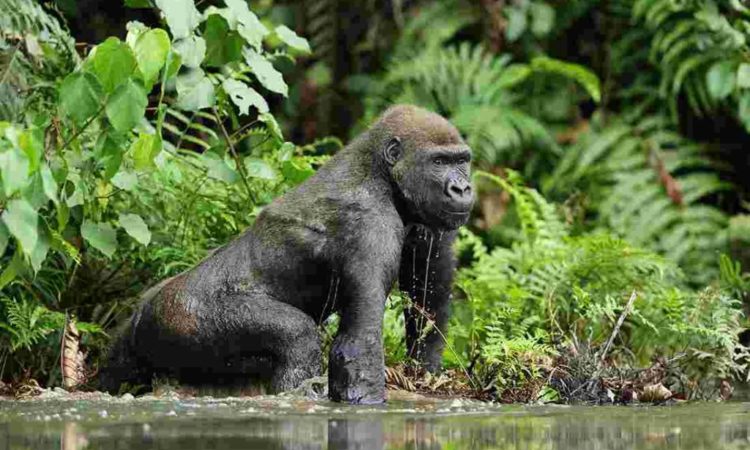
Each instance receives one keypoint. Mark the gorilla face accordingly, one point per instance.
(434, 183)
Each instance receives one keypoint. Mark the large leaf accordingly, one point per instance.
(80, 96)
(291, 39)
(182, 16)
(108, 152)
(113, 62)
(192, 49)
(258, 168)
(542, 18)
(135, 227)
(264, 71)
(244, 96)
(222, 44)
(30, 142)
(124, 180)
(743, 76)
(145, 149)
(194, 90)
(101, 236)
(218, 168)
(48, 183)
(151, 50)
(126, 107)
(14, 167)
(39, 253)
(22, 220)
(248, 24)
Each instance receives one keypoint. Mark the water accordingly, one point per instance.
(297, 423)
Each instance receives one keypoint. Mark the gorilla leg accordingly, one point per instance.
(426, 274)
(239, 339)
(256, 326)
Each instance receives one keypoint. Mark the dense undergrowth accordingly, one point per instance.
(609, 250)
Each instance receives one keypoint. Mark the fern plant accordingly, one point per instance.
(550, 287)
(649, 185)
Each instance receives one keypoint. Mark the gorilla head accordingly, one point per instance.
(429, 164)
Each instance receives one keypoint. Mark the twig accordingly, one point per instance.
(237, 160)
(616, 330)
(83, 128)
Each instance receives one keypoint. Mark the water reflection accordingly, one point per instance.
(706, 426)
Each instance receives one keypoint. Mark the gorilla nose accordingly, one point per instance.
(459, 190)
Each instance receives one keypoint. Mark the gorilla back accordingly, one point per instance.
(382, 208)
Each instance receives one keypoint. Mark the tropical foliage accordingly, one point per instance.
(611, 231)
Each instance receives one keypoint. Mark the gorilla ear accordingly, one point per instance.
(392, 151)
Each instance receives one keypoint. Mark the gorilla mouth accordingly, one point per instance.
(456, 213)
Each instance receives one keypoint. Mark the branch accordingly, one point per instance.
(616, 330)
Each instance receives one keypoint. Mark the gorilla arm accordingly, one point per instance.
(426, 275)
(355, 371)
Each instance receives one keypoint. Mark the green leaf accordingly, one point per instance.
(248, 24)
(144, 150)
(80, 96)
(112, 62)
(295, 171)
(258, 168)
(101, 236)
(192, 49)
(15, 266)
(181, 15)
(138, 3)
(22, 221)
(222, 45)
(135, 227)
(49, 184)
(124, 180)
(272, 125)
(151, 50)
(542, 18)
(512, 75)
(720, 79)
(575, 72)
(126, 107)
(108, 152)
(743, 76)
(286, 151)
(14, 167)
(135, 30)
(219, 169)
(264, 71)
(194, 90)
(4, 238)
(291, 39)
(516, 24)
(32, 147)
(244, 96)
(39, 253)
(744, 110)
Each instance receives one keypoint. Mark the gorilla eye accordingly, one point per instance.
(439, 161)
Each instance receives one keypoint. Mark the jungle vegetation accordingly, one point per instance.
(610, 246)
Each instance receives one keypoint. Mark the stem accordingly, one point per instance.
(616, 330)
(237, 160)
(160, 113)
(83, 128)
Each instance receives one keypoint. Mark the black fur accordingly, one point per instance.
(333, 244)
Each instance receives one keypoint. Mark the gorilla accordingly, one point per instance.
(386, 206)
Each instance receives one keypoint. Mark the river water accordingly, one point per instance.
(298, 423)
